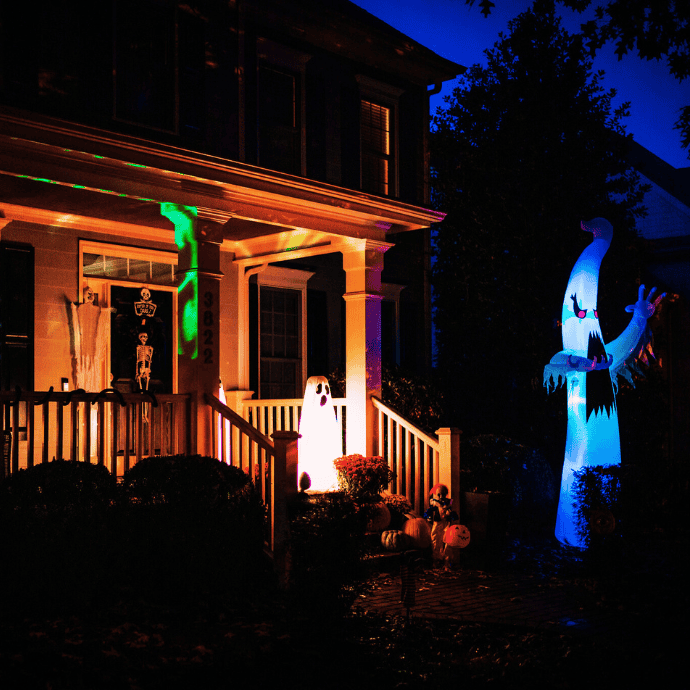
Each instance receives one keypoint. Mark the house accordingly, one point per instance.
(666, 229)
(203, 191)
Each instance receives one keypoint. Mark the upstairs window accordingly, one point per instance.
(280, 140)
(375, 129)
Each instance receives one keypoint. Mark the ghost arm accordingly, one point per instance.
(636, 332)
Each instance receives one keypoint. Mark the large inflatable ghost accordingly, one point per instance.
(590, 369)
(320, 443)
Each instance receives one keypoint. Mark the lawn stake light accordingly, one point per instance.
(320, 443)
(590, 370)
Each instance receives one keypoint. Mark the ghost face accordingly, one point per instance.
(317, 391)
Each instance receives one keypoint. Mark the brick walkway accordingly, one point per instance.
(505, 598)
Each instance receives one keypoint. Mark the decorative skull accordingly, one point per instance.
(88, 295)
(143, 337)
(145, 294)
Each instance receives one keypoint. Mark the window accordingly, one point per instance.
(378, 136)
(278, 370)
(279, 121)
(375, 129)
(145, 63)
(281, 107)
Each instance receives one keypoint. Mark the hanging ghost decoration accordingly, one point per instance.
(320, 443)
(590, 370)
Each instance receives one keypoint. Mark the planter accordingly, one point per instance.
(486, 516)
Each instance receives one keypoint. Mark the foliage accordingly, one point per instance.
(412, 396)
(596, 488)
(178, 529)
(326, 550)
(363, 478)
(396, 502)
(524, 150)
(656, 29)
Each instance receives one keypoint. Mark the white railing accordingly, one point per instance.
(268, 416)
(107, 428)
(419, 460)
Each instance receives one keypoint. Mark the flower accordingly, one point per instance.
(362, 476)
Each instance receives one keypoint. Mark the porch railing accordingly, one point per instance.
(283, 415)
(419, 460)
(271, 462)
(107, 428)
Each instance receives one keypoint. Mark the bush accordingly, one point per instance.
(326, 550)
(190, 526)
(363, 478)
(412, 396)
(56, 536)
(597, 492)
(178, 529)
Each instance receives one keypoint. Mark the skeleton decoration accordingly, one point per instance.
(144, 357)
(590, 370)
(320, 443)
(145, 308)
(88, 341)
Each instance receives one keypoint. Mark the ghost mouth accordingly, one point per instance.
(600, 394)
(324, 400)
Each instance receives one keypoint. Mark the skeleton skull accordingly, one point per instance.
(143, 337)
(145, 294)
(87, 294)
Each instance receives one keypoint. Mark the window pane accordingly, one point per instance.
(93, 264)
(139, 270)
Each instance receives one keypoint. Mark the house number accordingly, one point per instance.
(208, 332)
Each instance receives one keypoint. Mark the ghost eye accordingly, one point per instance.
(579, 312)
(328, 392)
(318, 389)
(596, 314)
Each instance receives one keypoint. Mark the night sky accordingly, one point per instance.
(461, 33)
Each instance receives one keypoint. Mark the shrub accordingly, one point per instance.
(190, 526)
(596, 489)
(55, 536)
(326, 550)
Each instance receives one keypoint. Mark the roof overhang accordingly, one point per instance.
(74, 169)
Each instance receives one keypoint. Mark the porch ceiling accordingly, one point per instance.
(84, 165)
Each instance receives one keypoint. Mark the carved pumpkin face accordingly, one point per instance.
(457, 536)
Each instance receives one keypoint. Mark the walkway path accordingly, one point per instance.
(505, 598)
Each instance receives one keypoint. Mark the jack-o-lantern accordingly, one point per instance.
(380, 518)
(602, 521)
(419, 532)
(457, 536)
(394, 540)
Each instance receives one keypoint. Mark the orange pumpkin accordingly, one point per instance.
(457, 536)
(419, 532)
(380, 518)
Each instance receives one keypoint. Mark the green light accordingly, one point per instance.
(182, 217)
(136, 165)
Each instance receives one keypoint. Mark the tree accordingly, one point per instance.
(658, 29)
(525, 149)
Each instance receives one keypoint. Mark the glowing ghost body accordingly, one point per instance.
(320, 443)
(590, 369)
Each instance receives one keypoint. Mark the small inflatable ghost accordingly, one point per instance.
(590, 370)
(320, 443)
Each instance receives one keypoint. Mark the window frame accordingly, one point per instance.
(387, 96)
(276, 277)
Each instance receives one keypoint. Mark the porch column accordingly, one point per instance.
(362, 262)
(198, 244)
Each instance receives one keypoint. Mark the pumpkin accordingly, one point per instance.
(419, 532)
(395, 540)
(380, 518)
(457, 536)
(602, 521)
